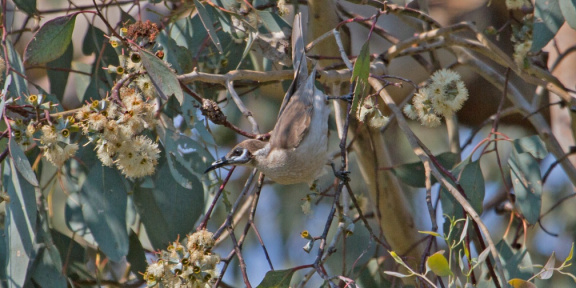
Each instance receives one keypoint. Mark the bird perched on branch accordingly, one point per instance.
(296, 152)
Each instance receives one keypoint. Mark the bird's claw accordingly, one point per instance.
(342, 175)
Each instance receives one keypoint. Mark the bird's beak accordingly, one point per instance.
(217, 164)
(234, 160)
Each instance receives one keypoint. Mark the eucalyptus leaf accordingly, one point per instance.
(136, 256)
(413, 173)
(277, 279)
(472, 181)
(51, 40)
(28, 6)
(162, 76)
(568, 8)
(20, 225)
(531, 144)
(104, 200)
(59, 78)
(527, 181)
(208, 24)
(547, 21)
(169, 210)
(21, 162)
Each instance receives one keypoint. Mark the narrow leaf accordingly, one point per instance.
(51, 41)
(396, 274)
(208, 24)
(277, 279)
(163, 78)
(20, 225)
(435, 234)
(22, 163)
(360, 75)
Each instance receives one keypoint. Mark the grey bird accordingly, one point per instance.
(297, 150)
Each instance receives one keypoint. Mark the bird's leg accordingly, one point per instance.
(348, 97)
(342, 175)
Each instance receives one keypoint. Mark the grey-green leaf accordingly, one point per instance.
(168, 210)
(568, 8)
(472, 181)
(277, 279)
(547, 21)
(531, 144)
(59, 78)
(527, 181)
(28, 6)
(21, 162)
(51, 41)
(163, 78)
(413, 173)
(208, 24)
(20, 225)
(104, 201)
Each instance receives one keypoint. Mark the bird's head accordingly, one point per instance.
(241, 154)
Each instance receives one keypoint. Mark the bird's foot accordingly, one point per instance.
(342, 175)
(348, 97)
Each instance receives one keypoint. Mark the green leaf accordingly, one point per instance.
(162, 76)
(570, 255)
(48, 271)
(360, 75)
(59, 79)
(435, 234)
(28, 6)
(413, 173)
(472, 181)
(208, 24)
(548, 269)
(104, 200)
(273, 22)
(20, 225)
(438, 264)
(362, 65)
(527, 182)
(531, 144)
(21, 162)
(517, 263)
(178, 56)
(547, 21)
(519, 283)
(277, 279)
(136, 256)
(568, 8)
(397, 274)
(75, 220)
(168, 210)
(51, 41)
(19, 86)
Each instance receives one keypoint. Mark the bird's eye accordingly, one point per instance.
(237, 152)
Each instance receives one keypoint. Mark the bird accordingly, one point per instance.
(298, 145)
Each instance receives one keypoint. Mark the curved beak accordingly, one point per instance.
(217, 164)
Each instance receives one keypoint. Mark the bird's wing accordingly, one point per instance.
(298, 59)
(294, 122)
